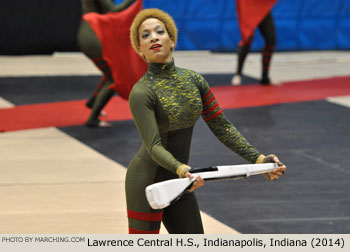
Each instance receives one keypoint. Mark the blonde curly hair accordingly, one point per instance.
(164, 17)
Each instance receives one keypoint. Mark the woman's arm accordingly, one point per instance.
(109, 6)
(142, 101)
(229, 135)
(222, 128)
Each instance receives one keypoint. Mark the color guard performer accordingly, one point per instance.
(166, 103)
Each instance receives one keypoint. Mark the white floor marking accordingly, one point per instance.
(341, 100)
(5, 104)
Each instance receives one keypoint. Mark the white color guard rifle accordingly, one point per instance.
(162, 194)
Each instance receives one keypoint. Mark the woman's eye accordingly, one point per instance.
(160, 31)
(145, 35)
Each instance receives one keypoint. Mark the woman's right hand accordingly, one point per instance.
(198, 183)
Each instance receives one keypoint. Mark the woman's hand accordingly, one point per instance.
(198, 183)
(276, 173)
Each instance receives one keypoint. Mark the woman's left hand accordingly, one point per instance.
(276, 173)
(198, 183)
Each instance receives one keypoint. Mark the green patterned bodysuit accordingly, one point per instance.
(166, 103)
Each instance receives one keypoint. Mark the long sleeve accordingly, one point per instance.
(222, 128)
(142, 101)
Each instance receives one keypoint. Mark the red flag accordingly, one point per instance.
(251, 13)
(113, 31)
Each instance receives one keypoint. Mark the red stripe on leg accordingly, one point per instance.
(267, 54)
(135, 231)
(97, 59)
(145, 216)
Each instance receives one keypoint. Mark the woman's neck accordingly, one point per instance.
(166, 68)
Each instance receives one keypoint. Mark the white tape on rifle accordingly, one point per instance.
(162, 194)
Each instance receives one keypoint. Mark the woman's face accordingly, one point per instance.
(155, 44)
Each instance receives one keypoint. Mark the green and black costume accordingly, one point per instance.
(166, 103)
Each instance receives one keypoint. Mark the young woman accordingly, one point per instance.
(166, 103)
(104, 38)
(252, 14)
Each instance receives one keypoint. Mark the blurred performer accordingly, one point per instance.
(252, 14)
(104, 38)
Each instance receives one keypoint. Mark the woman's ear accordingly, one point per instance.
(172, 43)
(140, 52)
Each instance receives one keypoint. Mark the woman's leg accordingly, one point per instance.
(92, 48)
(243, 50)
(142, 219)
(183, 216)
(91, 100)
(267, 29)
(144, 223)
(102, 98)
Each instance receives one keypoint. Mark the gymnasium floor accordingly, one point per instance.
(57, 176)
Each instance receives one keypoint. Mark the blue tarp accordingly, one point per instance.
(300, 24)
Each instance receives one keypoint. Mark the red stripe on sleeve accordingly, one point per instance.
(207, 95)
(213, 116)
(136, 231)
(210, 109)
(145, 216)
(209, 101)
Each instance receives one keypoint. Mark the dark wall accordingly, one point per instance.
(45, 26)
(38, 26)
